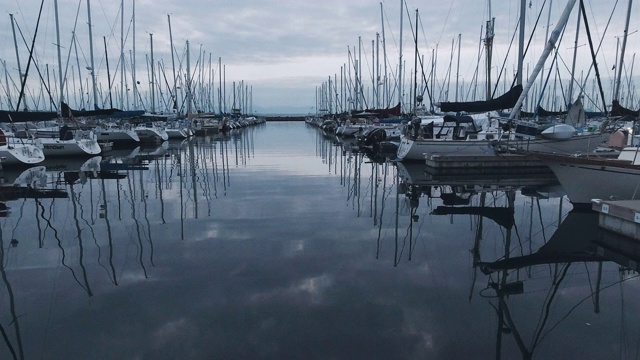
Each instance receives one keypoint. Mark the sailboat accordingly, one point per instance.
(14, 151)
(560, 138)
(65, 141)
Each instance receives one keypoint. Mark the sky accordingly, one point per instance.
(283, 51)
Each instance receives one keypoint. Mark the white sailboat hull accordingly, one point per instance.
(117, 135)
(573, 145)
(74, 147)
(416, 150)
(20, 154)
(583, 182)
(151, 134)
(176, 133)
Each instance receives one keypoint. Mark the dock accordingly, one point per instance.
(619, 216)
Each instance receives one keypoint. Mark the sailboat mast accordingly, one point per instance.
(133, 59)
(377, 76)
(93, 70)
(106, 56)
(122, 54)
(458, 66)
(546, 36)
(188, 81)
(220, 84)
(569, 99)
(488, 43)
(400, 57)
(153, 78)
(555, 34)
(385, 92)
(624, 45)
(523, 8)
(173, 65)
(55, 4)
(415, 68)
(15, 42)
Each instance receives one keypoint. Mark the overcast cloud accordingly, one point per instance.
(285, 49)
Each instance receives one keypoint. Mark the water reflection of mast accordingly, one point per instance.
(382, 206)
(225, 152)
(12, 309)
(192, 171)
(143, 196)
(135, 219)
(159, 187)
(58, 240)
(114, 279)
(206, 189)
(180, 185)
(79, 235)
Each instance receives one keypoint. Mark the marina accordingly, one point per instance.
(473, 200)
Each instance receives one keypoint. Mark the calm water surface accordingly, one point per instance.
(277, 243)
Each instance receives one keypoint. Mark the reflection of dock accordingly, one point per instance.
(503, 164)
(421, 174)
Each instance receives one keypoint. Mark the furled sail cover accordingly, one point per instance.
(23, 116)
(543, 112)
(618, 110)
(68, 112)
(506, 101)
(394, 111)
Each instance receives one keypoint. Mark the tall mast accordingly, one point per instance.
(523, 8)
(400, 57)
(377, 76)
(373, 75)
(93, 69)
(26, 72)
(385, 93)
(188, 81)
(220, 84)
(553, 38)
(15, 42)
(173, 65)
(133, 59)
(415, 68)
(55, 4)
(569, 99)
(488, 43)
(106, 56)
(122, 54)
(624, 45)
(153, 78)
(546, 36)
(458, 66)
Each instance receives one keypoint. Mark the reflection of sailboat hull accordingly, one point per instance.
(71, 164)
(503, 216)
(152, 153)
(29, 177)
